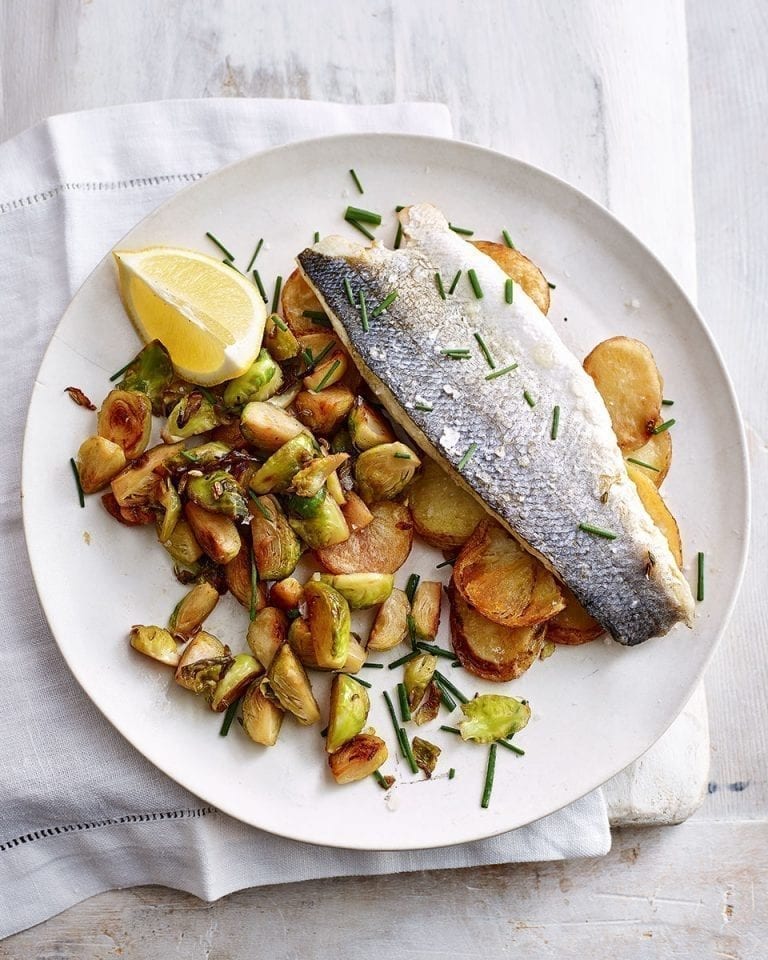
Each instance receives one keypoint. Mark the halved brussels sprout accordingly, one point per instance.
(310, 479)
(429, 707)
(239, 578)
(368, 427)
(267, 426)
(98, 462)
(348, 711)
(276, 474)
(229, 434)
(361, 590)
(341, 442)
(217, 535)
(125, 418)
(181, 544)
(356, 655)
(383, 472)
(329, 624)
(425, 609)
(492, 717)
(305, 507)
(425, 754)
(139, 483)
(329, 371)
(279, 340)
(323, 412)
(358, 758)
(156, 643)
(335, 489)
(203, 646)
(356, 512)
(262, 715)
(202, 675)
(417, 676)
(170, 502)
(391, 624)
(290, 684)
(300, 641)
(203, 454)
(260, 382)
(193, 414)
(239, 674)
(326, 528)
(266, 634)
(190, 612)
(276, 548)
(218, 492)
(286, 594)
(150, 372)
(285, 399)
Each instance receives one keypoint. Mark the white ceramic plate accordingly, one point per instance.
(596, 708)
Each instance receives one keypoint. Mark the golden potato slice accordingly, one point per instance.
(656, 453)
(520, 268)
(488, 649)
(658, 511)
(443, 514)
(494, 574)
(573, 625)
(296, 298)
(382, 546)
(629, 382)
(546, 600)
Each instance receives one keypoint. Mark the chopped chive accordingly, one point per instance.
(220, 245)
(314, 314)
(357, 181)
(640, 463)
(445, 563)
(402, 739)
(454, 282)
(279, 323)
(398, 237)
(410, 588)
(699, 576)
(229, 716)
(399, 207)
(381, 780)
(76, 472)
(373, 666)
(324, 382)
(667, 403)
(664, 426)
(456, 354)
(402, 696)
(363, 216)
(512, 747)
(260, 285)
(598, 531)
(230, 264)
(485, 351)
(462, 231)
(255, 254)
(407, 751)
(254, 588)
(447, 700)
(500, 373)
(411, 624)
(440, 287)
(445, 682)
(359, 680)
(450, 729)
(475, 283)
(551, 285)
(259, 505)
(467, 456)
(316, 237)
(348, 291)
(324, 732)
(364, 313)
(489, 772)
(359, 226)
(507, 239)
(555, 422)
(529, 399)
(398, 663)
(403, 456)
(391, 709)
(435, 650)
(276, 294)
(120, 372)
(426, 407)
(509, 290)
(456, 663)
(386, 302)
(451, 773)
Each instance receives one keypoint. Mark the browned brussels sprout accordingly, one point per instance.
(150, 372)
(156, 643)
(311, 479)
(203, 646)
(383, 472)
(279, 340)
(290, 684)
(425, 609)
(348, 711)
(260, 382)
(266, 634)
(239, 674)
(193, 414)
(125, 418)
(325, 529)
(287, 594)
(425, 754)
(217, 535)
(361, 590)
(191, 611)
(98, 462)
(218, 492)
(170, 503)
(391, 624)
(139, 483)
(182, 545)
(276, 474)
(358, 758)
(268, 427)
(325, 411)
(329, 624)
(368, 427)
(262, 714)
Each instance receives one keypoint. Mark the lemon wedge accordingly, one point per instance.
(208, 316)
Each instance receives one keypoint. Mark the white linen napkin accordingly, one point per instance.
(80, 810)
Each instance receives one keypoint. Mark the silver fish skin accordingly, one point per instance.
(540, 489)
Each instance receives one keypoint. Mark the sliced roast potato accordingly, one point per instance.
(520, 268)
(572, 625)
(657, 454)
(380, 547)
(295, 299)
(443, 514)
(658, 511)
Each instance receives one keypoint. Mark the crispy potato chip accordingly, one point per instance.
(443, 514)
(573, 625)
(658, 511)
(296, 298)
(520, 268)
(656, 453)
(380, 547)
(629, 382)
(546, 599)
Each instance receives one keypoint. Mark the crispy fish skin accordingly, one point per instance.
(540, 489)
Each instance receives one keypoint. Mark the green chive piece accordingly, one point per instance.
(411, 623)
(314, 314)
(456, 353)
(450, 729)
(76, 472)
(254, 587)
(509, 290)
(454, 282)
(259, 505)
(456, 663)
(403, 456)
(398, 663)
(407, 751)
(507, 239)
(276, 294)
(359, 680)
(447, 700)
(359, 226)
(324, 732)
(529, 399)
(485, 351)
(426, 407)
(391, 709)
(598, 531)
(364, 313)
(402, 739)
(445, 682)
(410, 588)
(363, 216)
(512, 747)
(324, 382)
(278, 322)
(120, 372)
(475, 283)
(311, 361)
(551, 285)
(230, 264)
(440, 287)
(260, 285)
(348, 291)
(667, 403)
(357, 181)
(699, 576)
(386, 302)
(500, 373)
(316, 237)
(435, 651)
(555, 422)
(398, 237)
(402, 696)
(255, 254)
(640, 463)
(489, 772)
(462, 231)
(445, 563)
(373, 666)
(664, 426)
(451, 773)
(399, 208)
(381, 780)
(229, 716)
(220, 245)
(467, 456)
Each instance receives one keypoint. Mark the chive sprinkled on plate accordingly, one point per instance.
(450, 729)
(258, 504)
(507, 239)
(402, 456)
(279, 322)
(120, 372)
(454, 282)
(598, 531)
(425, 407)
(404, 659)
(410, 587)
(448, 702)
(467, 456)
(435, 650)
(398, 237)
(364, 313)
(254, 585)
(451, 773)
(362, 216)
(373, 666)
(386, 302)
(359, 680)
(439, 285)
(512, 747)
(484, 350)
(555, 422)
(348, 291)
(641, 463)
(456, 353)
(76, 474)
(445, 682)
(502, 371)
(551, 285)
(411, 624)
(399, 207)
(329, 373)
(489, 773)
(357, 181)
(220, 245)
(314, 314)
(276, 294)
(509, 290)
(381, 780)
(316, 237)
(229, 716)
(359, 226)
(664, 426)
(255, 254)
(229, 263)
(402, 696)
(462, 231)
(529, 399)
(475, 283)
(445, 563)
(700, 576)
(260, 285)
(667, 403)
(407, 751)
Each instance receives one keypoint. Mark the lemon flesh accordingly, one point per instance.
(207, 315)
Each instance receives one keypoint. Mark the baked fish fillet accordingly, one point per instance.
(540, 489)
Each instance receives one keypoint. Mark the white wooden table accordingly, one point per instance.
(696, 890)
